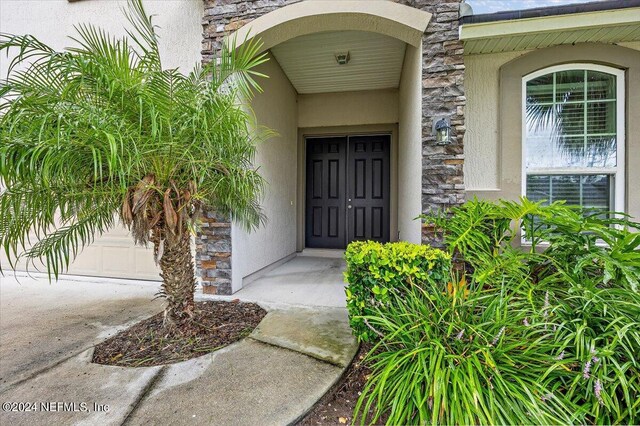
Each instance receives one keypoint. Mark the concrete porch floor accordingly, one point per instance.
(303, 280)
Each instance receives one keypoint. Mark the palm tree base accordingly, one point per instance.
(178, 278)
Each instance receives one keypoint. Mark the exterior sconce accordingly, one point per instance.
(442, 130)
(343, 58)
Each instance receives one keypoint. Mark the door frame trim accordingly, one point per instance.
(390, 130)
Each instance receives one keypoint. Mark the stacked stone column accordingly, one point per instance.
(213, 253)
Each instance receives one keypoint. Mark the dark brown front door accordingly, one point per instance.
(348, 184)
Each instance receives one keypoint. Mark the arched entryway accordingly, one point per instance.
(308, 17)
(345, 95)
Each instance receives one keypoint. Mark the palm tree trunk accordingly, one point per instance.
(178, 278)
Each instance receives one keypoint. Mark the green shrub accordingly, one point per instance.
(523, 354)
(547, 333)
(576, 284)
(598, 328)
(463, 356)
(565, 244)
(376, 271)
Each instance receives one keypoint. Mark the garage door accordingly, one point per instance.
(113, 255)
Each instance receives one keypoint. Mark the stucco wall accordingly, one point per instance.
(52, 21)
(493, 139)
(277, 158)
(348, 108)
(410, 147)
(482, 85)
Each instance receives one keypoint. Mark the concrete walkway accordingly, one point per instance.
(273, 377)
(305, 280)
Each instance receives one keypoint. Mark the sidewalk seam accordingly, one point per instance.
(329, 388)
(144, 394)
(43, 370)
(274, 345)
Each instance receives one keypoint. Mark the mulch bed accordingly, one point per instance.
(336, 407)
(149, 342)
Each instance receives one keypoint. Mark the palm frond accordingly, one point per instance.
(61, 246)
(29, 49)
(144, 34)
(80, 128)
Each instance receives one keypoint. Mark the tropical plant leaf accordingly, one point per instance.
(102, 130)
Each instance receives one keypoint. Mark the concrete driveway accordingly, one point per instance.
(43, 324)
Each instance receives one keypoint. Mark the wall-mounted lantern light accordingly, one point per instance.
(442, 130)
(343, 58)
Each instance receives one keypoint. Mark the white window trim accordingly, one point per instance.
(618, 173)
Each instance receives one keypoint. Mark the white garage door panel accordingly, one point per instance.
(113, 255)
(144, 263)
(89, 260)
(117, 260)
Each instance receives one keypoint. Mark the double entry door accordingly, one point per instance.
(347, 194)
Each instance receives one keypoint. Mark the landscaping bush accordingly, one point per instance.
(375, 271)
(561, 243)
(544, 333)
(462, 356)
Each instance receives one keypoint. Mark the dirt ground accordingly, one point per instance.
(151, 342)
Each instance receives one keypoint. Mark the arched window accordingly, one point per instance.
(573, 134)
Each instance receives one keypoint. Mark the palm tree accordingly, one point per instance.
(101, 130)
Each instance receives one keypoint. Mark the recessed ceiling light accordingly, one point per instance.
(342, 58)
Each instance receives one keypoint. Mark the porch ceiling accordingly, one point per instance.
(309, 61)
(611, 26)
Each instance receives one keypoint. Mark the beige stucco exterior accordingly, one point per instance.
(492, 142)
(482, 87)
(494, 106)
(282, 159)
(348, 108)
(52, 21)
(410, 147)
(395, 111)
(295, 116)
(276, 158)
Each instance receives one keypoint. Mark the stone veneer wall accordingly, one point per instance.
(443, 95)
(213, 253)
